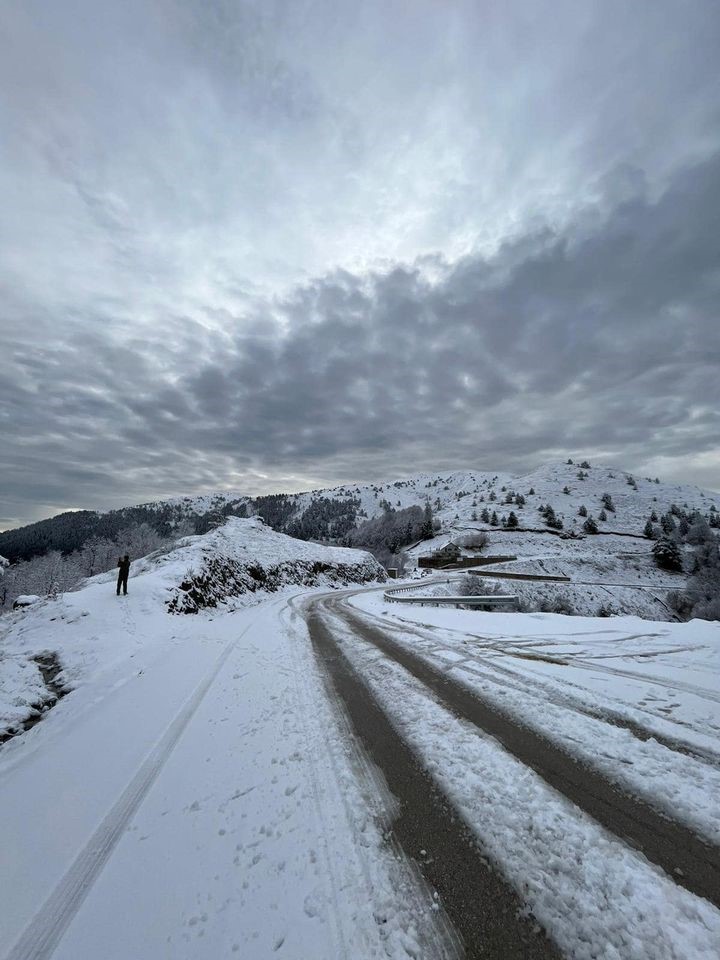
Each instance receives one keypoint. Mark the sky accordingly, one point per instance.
(272, 246)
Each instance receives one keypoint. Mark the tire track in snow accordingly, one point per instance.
(44, 932)
(484, 658)
(665, 842)
(439, 938)
(488, 914)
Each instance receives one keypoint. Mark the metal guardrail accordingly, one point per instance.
(484, 603)
(510, 575)
(488, 602)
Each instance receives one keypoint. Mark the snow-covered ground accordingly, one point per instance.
(590, 684)
(237, 565)
(195, 794)
(592, 893)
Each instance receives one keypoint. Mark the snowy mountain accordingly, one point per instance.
(327, 514)
(569, 516)
(229, 783)
(456, 496)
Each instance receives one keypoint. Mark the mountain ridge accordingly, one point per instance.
(459, 495)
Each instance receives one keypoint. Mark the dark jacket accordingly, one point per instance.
(124, 566)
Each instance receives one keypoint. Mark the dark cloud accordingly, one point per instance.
(604, 340)
(265, 246)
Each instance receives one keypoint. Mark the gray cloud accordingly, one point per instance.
(268, 248)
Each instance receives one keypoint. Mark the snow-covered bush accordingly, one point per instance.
(606, 610)
(558, 604)
(473, 541)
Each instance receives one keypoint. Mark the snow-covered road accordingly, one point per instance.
(205, 805)
(320, 776)
(543, 783)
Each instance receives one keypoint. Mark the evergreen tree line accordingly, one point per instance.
(325, 519)
(687, 542)
(386, 535)
(68, 532)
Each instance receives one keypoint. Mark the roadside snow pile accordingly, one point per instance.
(25, 600)
(22, 693)
(246, 556)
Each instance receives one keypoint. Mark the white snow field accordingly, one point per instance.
(197, 794)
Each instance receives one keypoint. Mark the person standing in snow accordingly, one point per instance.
(123, 573)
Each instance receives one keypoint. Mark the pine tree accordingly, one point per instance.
(494, 519)
(485, 515)
(426, 530)
(649, 530)
(512, 520)
(582, 511)
(667, 523)
(602, 516)
(667, 554)
(607, 502)
(590, 526)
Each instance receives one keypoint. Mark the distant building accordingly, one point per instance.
(450, 553)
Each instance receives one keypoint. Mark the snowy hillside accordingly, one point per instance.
(457, 496)
(568, 516)
(244, 557)
(267, 775)
(89, 630)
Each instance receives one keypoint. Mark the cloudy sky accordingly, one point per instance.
(269, 246)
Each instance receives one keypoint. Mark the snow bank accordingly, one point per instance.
(245, 556)
(25, 600)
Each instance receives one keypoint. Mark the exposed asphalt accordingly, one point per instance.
(483, 907)
(489, 917)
